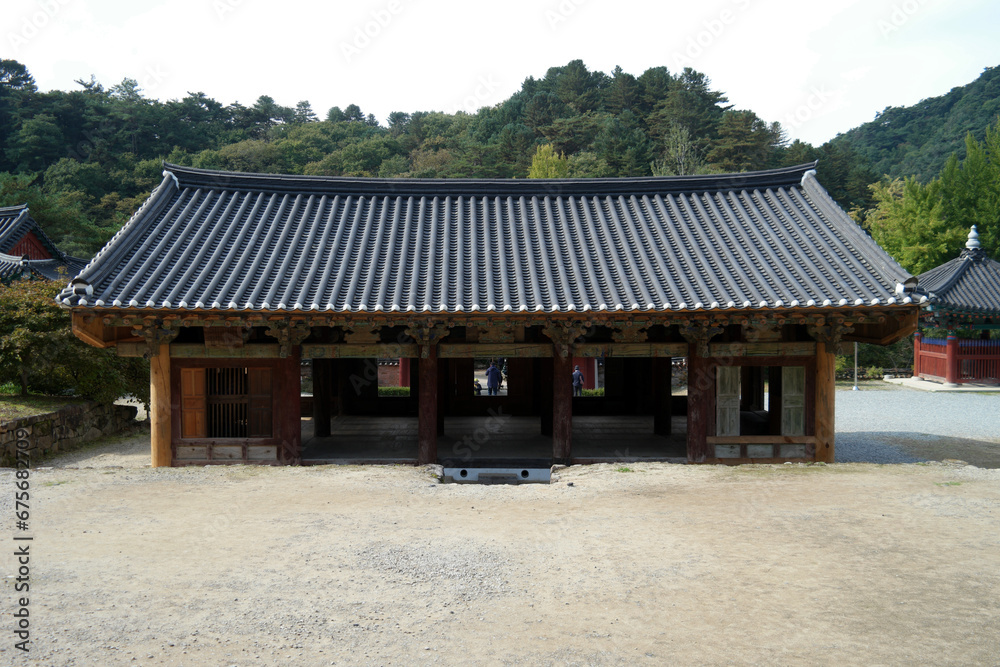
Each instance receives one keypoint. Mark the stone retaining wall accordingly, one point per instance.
(64, 430)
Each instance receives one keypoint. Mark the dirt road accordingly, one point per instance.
(644, 564)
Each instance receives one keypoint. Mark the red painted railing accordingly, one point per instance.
(968, 360)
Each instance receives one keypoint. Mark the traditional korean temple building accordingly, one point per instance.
(27, 252)
(227, 281)
(963, 294)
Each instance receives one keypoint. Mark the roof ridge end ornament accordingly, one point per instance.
(809, 173)
(167, 173)
(973, 242)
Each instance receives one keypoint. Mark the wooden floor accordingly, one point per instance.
(467, 440)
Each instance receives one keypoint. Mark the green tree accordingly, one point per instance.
(39, 351)
(681, 155)
(37, 144)
(907, 222)
(744, 143)
(548, 164)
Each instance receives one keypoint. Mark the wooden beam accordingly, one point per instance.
(661, 350)
(512, 350)
(427, 421)
(200, 351)
(91, 330)
(356, 351)
(825, 403)
(160, 408)
(806, 349)
(761, 439)
(562, 408)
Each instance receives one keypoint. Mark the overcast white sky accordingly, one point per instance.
(819, 68)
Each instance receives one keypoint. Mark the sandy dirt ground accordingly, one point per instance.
(610, 565)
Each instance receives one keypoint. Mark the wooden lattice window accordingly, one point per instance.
(226, 403)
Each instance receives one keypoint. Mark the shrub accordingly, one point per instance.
(39, 352)
(393, 391)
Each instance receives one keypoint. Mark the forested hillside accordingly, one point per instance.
(917, 140)
(85, 159)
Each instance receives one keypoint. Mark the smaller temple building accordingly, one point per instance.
(27, 252)
(963, 294)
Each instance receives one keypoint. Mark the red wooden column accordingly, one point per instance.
(427, 407)
(289, 418)
(701, 401)
(562, 406)
(404, 372)
(917, 338)
(951, 371)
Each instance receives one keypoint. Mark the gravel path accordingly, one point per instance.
(379, 565)
(893, 424)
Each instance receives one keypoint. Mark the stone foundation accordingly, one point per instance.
(65, 430)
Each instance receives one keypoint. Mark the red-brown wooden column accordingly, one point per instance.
(917, 339)
(289, 417)
(701, 399)
(427, 408)
(562, 407)
(404, 372)
(951, 370)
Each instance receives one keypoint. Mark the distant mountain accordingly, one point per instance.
(917, 140)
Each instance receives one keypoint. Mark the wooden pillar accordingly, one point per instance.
(662, 383)
(951, 370)
(825, 400)
(917, 339)
(427, 410)
(404, 372)
(289, 417)
(322, 370)
(701, 404)
(562, 407)
(160, 402)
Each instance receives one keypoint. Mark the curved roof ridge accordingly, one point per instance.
(485, 187)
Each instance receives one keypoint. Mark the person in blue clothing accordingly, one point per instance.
(493, 379)
(578, 381)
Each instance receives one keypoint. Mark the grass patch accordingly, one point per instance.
(948, 483)
(393, 391)
(16, 407)
(594, 392)
(624, 469)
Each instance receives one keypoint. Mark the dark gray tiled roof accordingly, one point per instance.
(47, 269)
(969, 283)
(256, 242)
(15, 223)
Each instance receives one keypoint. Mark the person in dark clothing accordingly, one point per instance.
(578, 381)
(493, 379)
